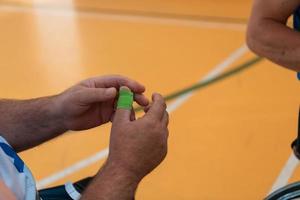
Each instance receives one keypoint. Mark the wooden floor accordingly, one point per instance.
(228, 141)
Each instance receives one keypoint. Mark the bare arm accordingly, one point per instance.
(27, 123)
(269, 36)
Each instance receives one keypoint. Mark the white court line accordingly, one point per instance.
(215, 72)
(130, 18)
(286, 173)
(178, 102)
(74, 168)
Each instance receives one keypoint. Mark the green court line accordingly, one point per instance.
(204, 84)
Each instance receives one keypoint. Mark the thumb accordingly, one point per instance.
(94, 95)
(124, 105)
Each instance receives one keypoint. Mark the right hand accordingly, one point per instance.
(137, 147)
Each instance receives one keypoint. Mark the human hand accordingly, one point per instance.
(137, 147)
(91, 102)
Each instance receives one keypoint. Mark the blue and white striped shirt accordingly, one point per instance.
(15, 174)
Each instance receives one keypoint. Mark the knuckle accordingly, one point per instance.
(167, 133)
(161, 103)
(160, 98)
(150, 123)
(164, 105)
(117, 76)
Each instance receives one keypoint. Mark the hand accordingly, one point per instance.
(91, 102)
(137, 147)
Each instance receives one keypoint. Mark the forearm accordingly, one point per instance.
(111, 183)
(27, 123)
(275, 41)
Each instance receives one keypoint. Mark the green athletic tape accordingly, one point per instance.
(125, 99)
(208, 82)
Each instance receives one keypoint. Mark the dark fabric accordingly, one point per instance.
(296, 143)
(296, 19)
(59, 192)
(82, 184)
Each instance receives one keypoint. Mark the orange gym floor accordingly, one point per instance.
(229, 141)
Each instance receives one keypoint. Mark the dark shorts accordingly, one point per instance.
(68, 191)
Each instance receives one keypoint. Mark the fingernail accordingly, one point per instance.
(110, 91)
(124, 88)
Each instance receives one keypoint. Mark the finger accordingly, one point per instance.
(115, 109)
(94, 95)
(167, 133)
(112, 117)
(146, 109)
(117, 81)
(124, 105)
(158, 107)
(106, 110)
(141, 99)
(132, 115)
(165, 119)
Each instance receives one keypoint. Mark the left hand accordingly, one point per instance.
(91, 103)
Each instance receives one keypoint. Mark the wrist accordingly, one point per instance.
(112, 183)
(119, 171)
(55, 111)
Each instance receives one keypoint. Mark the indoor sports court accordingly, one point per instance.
(229, 137)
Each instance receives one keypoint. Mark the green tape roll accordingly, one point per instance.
(125, 99)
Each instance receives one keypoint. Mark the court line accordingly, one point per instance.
(166, 15)
(214, 73)
(200, 23)
(223, 76)
(286, 173)
(217, 70)
(73, 168)
(173, 15)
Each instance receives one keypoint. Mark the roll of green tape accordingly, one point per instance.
(125, 99)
